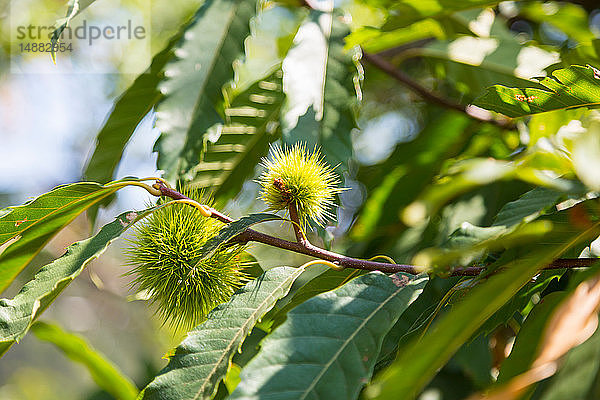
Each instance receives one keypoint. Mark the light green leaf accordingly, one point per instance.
(24, 230)
(105, 373)
(253, 123)
(407, 376)
(330, 120)
(202, 359)
(17, 314)
(192, 101)
(471, 243)
(567, 88)
(476, 172)
(373, 40)
(405, 12)
(328, 346)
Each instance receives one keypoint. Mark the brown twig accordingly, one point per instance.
(307, 248)
(427, 94)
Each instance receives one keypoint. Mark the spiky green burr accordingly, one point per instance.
(166, 249)
(295, 175)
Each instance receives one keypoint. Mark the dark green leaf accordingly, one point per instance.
(528, 207)
(328, 346)
(527, 341)
(202, 359)
(328, 280)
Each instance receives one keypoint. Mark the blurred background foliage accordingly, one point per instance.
(395, 148)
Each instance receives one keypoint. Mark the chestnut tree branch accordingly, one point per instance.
(427, 94)
(307, 248)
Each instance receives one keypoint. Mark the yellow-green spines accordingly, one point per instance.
(296, 175)
(166, 250)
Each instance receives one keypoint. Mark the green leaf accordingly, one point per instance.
(202, 359)
(253, 123)
(405, 12)
(24, 230)
(571, 19)
(328, 346)
(476, 172)
(253, 104)
(18, 314)
(407, 376)
(329, 280)
(233, 229)
(473, 64)
(567, 88)
(74, 8)
(373, 40)
(528, 207)
(105, 373)
(519, 306)
(192, 101)
(329, 123)
(128, 111)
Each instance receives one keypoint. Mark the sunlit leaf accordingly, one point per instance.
(253, 102)
(105, 373)
(329, 120)
(192, 98)
(19, 313)
(567, 88)
(24, 230)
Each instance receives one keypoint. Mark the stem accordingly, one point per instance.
(300, 237)
(307, 248)
(427, 94)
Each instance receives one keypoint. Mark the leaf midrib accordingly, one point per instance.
(55, 210)
(209, 72)
(348, 341)
(252, 317)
